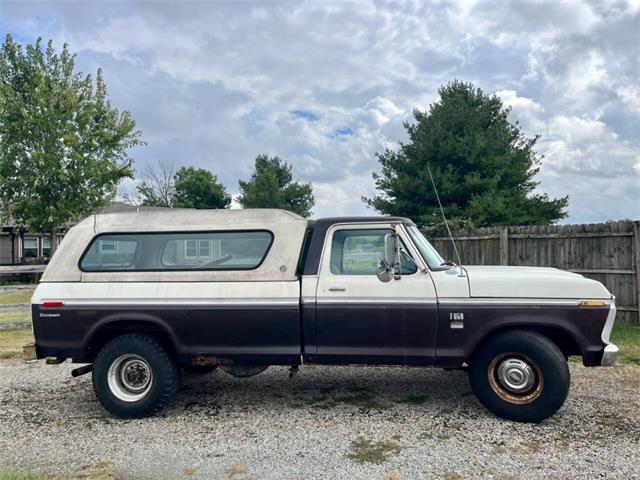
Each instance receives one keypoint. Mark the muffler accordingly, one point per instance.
(76, 372)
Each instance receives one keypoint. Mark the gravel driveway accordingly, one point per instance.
(333, 423)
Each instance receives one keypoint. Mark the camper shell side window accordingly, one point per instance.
(176, 251)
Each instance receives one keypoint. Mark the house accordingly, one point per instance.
(19, 246)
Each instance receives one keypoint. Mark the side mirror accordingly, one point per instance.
(389, 265)
(384, 272)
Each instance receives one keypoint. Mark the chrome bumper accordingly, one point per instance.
(609, 355)
(610, 350)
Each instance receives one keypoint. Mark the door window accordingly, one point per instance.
(359, 251)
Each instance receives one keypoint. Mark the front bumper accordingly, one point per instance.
(609, 355)
(610, 352)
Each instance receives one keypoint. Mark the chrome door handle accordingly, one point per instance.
(337, 289)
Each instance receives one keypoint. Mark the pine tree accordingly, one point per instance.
(482, 164)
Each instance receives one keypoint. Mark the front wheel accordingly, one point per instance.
(521, 376)
(134, 376)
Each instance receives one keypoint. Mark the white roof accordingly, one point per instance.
(173, 219)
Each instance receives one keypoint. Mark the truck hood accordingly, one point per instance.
(532, 282)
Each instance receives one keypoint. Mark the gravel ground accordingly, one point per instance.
(15, 325)
(323, 423)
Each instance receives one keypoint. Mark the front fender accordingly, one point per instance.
(455, 346)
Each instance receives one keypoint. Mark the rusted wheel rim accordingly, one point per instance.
(515, 378)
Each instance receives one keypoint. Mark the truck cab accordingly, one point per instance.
(137, 297)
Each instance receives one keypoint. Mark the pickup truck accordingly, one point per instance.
(140, 297)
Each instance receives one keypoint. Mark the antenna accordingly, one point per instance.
(446, 224)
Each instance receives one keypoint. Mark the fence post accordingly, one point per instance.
(636, 256)
(504, 245)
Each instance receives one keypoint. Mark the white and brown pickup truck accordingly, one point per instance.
(138, 297)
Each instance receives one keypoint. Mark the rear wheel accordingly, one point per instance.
(134, 376)
(521, 376)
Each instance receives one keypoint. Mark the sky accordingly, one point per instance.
(326, 85)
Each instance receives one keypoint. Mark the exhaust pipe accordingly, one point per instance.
(76, 372)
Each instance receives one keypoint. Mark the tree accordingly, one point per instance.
(272, 186)
(158, 187)
(199, 188)
(63, 148)
(189, 187)
(483, 166)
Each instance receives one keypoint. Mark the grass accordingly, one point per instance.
(100, 472)
(15, 316)
(13, 283)
(15, 298)
(24, 476)
(627, 338)
(11, 342)
(366, 451)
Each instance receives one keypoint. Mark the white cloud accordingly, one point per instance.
(524, 110)
(215, 84)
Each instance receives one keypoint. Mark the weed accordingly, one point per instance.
(366, 451)
(237, 470)
(452, 476)
(434, 436)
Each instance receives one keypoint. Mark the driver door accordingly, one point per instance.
(360, 319)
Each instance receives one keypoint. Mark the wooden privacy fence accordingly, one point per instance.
(607, 252)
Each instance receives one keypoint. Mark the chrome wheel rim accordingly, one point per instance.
(130, 377)
(516, 375)
(515, 378)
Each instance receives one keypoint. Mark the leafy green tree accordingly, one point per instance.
(272, 186)
(199, 188)
(189, 187)
(483, 166)
(63, 147)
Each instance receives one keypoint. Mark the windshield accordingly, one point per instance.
(431, 256)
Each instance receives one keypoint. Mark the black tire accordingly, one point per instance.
(199, 369)
(141, 354)
(514, 350)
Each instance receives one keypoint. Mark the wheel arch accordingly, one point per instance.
(115, 325)
(565, 339)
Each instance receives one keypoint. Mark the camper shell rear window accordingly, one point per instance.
(176, 251)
